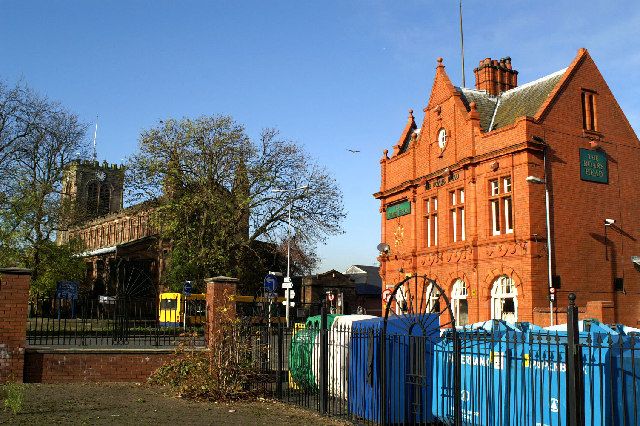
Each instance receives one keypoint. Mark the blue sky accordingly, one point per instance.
(331, 74)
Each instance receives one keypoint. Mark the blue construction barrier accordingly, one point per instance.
(408, 368)
(487, 374)
(609, 375)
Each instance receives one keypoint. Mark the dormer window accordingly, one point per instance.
(589, 110)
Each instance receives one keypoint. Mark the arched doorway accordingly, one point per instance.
(504, 299)
(459, 303)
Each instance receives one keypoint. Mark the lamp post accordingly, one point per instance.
(537, 180)
(288, 278)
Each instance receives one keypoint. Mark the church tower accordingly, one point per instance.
(92, 189)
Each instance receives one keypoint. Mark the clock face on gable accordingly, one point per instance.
(442, 138)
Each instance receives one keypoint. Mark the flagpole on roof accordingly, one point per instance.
(462, 46)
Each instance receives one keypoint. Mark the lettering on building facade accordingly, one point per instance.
(593, 166)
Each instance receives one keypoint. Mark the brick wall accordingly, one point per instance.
(14, 295)
(92, 365)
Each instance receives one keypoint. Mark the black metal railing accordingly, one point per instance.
(508, 374)
(110, 321)
(495, 373)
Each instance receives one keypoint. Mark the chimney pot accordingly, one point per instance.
(496, 76)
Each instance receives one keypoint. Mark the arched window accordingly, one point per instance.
(104, 200)
(504, 299)
(92, 197)
(459, 302)
(432, 299)
(402, 302)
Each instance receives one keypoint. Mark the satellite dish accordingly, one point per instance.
(383, 248)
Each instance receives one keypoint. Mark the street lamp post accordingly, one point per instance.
(288, 278)
(537, 180)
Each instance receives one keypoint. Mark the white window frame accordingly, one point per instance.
(503, 288)
(458, 293)
(431, 217)
(495, 216)
(432, 296)
(501, 201)
(508, 215)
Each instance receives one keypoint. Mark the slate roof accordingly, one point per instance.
(485, 103)
(523, 101)
(373, 286)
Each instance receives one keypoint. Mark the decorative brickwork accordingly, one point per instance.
(486, 146)
(14, 296)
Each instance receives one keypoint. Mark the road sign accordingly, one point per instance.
(331, 296)
(292, 304)
(386, 294)
(289, 294)
(187, 288)
(287, 283)
(552, 290)
(270, 283)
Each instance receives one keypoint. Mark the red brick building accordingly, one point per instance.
(457, 206)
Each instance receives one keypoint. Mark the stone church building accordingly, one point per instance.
(463, 200)
(122, 251)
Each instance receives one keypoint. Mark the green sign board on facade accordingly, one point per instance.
(398, 209)
(593, 166)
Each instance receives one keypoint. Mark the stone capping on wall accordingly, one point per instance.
(15, 271)
(221, 279)
(114, 350)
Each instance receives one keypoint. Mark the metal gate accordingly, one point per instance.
(418, 316)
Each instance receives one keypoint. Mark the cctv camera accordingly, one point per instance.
(609, 222)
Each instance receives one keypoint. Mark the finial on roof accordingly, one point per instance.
(410, 114)
(440, 62)
(474, 114)
(385, 154)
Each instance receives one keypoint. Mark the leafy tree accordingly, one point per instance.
(217, 205)
(58, 263)
(38, 138)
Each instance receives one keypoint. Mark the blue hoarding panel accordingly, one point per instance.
(409, 362)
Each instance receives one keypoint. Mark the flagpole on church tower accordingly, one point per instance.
(95, 135)
(464, 84)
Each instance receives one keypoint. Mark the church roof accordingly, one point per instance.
(523, 101)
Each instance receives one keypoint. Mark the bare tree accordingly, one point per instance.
(38, 138)
(215, 187)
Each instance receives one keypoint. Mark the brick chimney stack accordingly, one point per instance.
(495, 76)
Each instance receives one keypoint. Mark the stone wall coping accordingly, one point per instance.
(15, 271)
(115, 351)
(221, 279)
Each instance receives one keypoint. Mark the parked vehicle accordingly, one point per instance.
(171, 312)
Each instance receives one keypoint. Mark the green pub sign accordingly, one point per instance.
(398, 209)
(593, 166)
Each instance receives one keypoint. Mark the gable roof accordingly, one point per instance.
(522, 101)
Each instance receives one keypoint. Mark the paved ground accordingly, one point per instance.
(91, 404)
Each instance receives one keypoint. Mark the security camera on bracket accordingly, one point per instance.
(609, 222)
